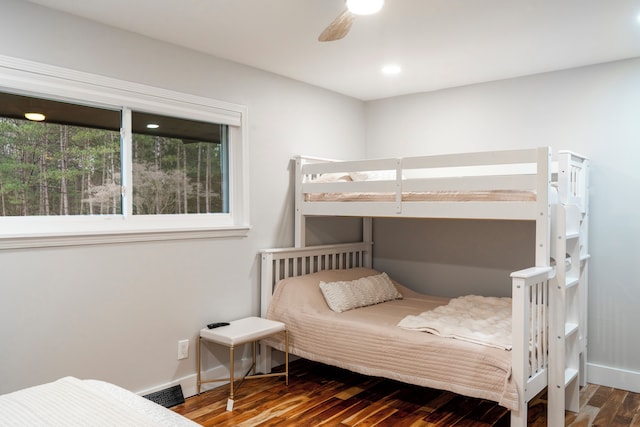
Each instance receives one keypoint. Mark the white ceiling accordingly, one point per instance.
(438, 43)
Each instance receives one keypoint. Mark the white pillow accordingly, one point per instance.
(342, 296)
(332, 177)
(380, 175)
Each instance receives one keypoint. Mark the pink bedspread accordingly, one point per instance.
(367, 340)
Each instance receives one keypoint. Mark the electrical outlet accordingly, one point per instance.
(183, 349)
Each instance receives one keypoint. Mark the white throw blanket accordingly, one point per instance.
(481, 320)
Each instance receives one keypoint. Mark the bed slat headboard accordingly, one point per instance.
(281, 263)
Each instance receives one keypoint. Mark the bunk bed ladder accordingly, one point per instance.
(568, 302)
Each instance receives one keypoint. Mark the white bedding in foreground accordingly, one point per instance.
(71, 402)
(481, 320)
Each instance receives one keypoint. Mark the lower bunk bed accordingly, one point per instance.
(308, 290)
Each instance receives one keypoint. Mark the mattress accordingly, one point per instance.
(71, 402)
(367, 340)
(429, 196)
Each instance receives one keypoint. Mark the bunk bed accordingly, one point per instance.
(548, 300)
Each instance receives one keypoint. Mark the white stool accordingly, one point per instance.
(250, 329)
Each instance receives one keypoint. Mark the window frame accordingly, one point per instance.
(42, 80)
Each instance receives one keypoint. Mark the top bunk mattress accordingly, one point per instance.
(429, 196)
(367, 340)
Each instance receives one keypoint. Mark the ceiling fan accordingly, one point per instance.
(342, 24)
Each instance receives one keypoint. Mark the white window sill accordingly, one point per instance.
(79, 239)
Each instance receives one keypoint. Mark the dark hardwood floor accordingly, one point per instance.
(321, 395)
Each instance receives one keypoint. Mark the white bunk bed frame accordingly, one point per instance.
(549, 299)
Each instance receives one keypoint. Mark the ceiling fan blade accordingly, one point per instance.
(338, 28)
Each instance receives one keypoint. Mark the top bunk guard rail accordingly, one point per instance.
(393, 179)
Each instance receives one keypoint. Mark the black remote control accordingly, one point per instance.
(217, 324)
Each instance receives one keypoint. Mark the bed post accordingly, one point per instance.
(367, 236)
(520, 340)
(299, 219)
(266, 276)
(529, 327)
(543, 220)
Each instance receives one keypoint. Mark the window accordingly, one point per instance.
(115, 161)
(65, 161)
(179, 166)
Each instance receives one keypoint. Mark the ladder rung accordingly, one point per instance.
(572, 281)
(572, 235)
(570, 328)
(569, 375)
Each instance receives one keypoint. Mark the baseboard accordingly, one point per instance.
(613, 377)
(189, 383)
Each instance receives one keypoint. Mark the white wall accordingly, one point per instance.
(116, 312)
(593, 111)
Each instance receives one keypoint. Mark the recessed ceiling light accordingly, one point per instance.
(391, 69)
(36, 117)
(364, 7)
(153, 126)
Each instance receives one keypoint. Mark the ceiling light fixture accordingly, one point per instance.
(153, 126)
(364, 7)
(391, 69)
(35, 117)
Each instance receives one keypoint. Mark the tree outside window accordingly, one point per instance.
(71, 162)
